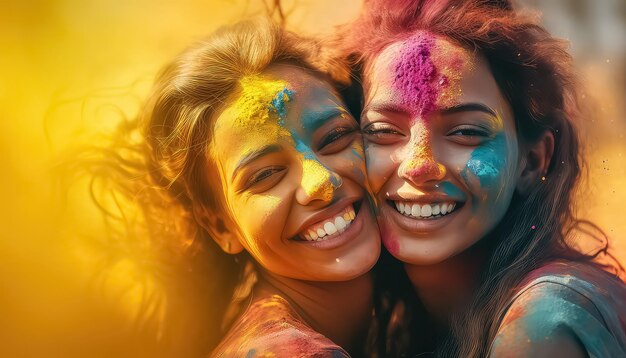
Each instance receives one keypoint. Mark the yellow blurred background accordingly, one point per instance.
(71, 70)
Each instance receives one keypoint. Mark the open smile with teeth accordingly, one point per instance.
(328, 228)
(421, 211)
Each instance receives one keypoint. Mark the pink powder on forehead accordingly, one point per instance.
(427, 73)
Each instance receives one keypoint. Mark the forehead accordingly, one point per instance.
(427, 72)
(267, 110)
(422, 72)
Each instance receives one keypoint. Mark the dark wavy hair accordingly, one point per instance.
(535, 74)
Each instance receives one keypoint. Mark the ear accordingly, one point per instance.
(536, 162)
(220, 227)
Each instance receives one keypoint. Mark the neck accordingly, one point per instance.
(447, 287)
(341, 311)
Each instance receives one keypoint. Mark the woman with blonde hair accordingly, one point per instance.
(254, 158)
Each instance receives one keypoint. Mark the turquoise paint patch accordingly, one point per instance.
(278, 104)
(487, 161)
(357, 154)
(452, 190)
(313, 119)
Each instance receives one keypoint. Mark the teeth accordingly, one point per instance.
(416, 210)
(321, 231)
(424, 210)
(330, 228)
(340, 223)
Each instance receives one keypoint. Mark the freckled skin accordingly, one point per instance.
(299, 179)
(427, 154)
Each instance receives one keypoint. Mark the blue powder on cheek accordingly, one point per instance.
(452, 190)
(486, 162)
(278, 104)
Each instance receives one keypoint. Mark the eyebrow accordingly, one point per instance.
(254, 155)
(464, 107)
(385, 107)
(312, 120)
(469, 107)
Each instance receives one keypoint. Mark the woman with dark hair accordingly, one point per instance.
(469, 121)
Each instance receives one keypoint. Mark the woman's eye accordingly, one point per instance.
(334, 138)
(382, 133)
(473, 132)
(263, 175)
(470, 136)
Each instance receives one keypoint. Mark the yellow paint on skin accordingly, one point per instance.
(422, 161)
(255, 102)
(254, 117)
(316, 180)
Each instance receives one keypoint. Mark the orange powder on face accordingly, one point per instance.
(421, 160)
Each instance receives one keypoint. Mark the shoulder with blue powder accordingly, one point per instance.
(565, 309)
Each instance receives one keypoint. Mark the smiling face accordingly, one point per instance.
(441, 148)
(292, 170)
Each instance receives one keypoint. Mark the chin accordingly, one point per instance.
(421, 252)
(358, 264)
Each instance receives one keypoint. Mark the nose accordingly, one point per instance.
(419, 165)
(317, 183)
